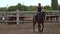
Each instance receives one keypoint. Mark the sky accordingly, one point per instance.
(4, 3)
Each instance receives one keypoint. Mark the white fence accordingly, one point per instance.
(27, 14)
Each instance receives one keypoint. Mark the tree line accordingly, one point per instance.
(23, 8)
(19, 6)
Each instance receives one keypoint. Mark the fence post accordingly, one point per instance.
(17, 16)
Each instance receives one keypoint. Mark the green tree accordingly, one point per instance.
(12, 8)
(3, 8)
(47, 7)
(24, 8)
(32, 8)
(54, 4)
(21, 7)
(58, 7)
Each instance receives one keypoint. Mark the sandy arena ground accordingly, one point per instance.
(50, 28)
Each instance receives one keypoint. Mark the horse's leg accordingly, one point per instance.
(42, 27)
(34, 22)
(39, 27)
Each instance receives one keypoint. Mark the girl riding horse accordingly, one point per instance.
(39, 11)
(39, 18)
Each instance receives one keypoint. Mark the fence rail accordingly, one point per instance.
(26, 15)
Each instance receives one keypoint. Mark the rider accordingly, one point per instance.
(39, 10)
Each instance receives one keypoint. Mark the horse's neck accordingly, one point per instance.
(41, 15)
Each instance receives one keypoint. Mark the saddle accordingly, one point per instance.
(40, 14)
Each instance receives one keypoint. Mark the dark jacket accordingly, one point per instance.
(39, 9)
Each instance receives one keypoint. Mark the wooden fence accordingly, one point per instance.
(14, 16)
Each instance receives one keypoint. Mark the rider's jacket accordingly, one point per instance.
(39, 9)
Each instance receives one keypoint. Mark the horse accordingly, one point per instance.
(40, 20)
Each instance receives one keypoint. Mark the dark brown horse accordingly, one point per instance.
(40, 21)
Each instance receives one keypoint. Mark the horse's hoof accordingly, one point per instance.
(34, 30)
(41, 31)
